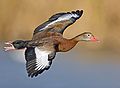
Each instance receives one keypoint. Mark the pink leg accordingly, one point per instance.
(9, 46)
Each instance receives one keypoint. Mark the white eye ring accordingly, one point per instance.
(88, 35)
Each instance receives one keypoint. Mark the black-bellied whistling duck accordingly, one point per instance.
(47, 40)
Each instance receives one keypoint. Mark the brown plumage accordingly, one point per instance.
(48, 40)
(56, 39)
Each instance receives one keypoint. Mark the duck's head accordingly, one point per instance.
(86, 36)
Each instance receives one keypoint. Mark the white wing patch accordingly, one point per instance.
(62, 18)
(67, 17)
(41, 59)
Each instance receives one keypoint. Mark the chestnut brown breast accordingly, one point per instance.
(64, 44)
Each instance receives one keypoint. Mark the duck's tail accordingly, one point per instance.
(15, 45)
(20, 44)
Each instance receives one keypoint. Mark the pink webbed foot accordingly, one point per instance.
(9, 46)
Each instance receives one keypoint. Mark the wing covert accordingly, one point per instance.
(59, 22)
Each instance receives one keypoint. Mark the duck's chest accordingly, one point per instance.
(66, 45)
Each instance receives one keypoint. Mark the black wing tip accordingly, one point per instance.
(78, 12)
(34, 74)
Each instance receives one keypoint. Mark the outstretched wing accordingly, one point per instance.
(38, 60)
(59, 22)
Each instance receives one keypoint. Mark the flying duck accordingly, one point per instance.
(47, 40)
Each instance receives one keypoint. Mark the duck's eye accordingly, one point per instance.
(88, 35)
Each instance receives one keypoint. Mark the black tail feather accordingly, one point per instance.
(19, 44)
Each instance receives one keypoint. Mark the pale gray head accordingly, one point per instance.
(86, 36)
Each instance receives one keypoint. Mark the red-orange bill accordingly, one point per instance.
(94, 39)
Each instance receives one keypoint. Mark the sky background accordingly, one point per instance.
(88, 65)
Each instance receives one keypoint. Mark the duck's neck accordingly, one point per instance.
(68, 45)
